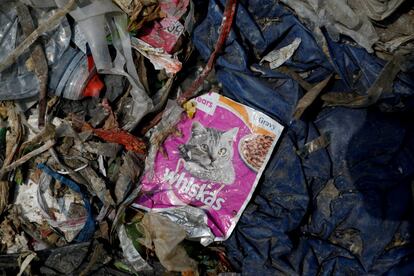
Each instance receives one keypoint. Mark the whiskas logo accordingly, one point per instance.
(187, 186)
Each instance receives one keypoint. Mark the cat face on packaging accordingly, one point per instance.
(210, 147)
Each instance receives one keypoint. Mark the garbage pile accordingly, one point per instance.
(158, 137)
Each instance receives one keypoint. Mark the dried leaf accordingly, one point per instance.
(310, 97)
(279, 56)
(128, 174)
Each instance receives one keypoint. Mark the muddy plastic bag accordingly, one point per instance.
(215, 164)
(166, 237)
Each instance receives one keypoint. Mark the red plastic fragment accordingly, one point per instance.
(95, 85)
(119, 136)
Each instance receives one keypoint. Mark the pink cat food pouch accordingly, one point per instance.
(215, 164)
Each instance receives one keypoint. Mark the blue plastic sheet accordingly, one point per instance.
(344, 209)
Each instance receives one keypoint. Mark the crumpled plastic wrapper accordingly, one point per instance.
(165, 237)
(194, 221)
(130, 253)
(338, 18)
(38, 205)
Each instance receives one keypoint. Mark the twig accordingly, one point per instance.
(225, 27)
(310, 97)
(27, 157)
(16, 134)
(53, 20)
(152, 123)
(39, 61)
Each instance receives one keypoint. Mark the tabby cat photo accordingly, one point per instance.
(208, 154)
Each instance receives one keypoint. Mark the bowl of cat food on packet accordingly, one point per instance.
(253, 150)
(213, 166)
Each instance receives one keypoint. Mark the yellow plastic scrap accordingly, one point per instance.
(190, 108)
